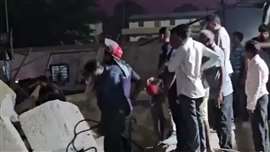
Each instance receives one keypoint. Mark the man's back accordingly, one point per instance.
(109, 88)
(224, 42)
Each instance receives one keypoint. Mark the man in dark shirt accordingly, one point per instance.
(168, 81)
(238, 61)
(113, 90)
(166, 49)
(264, 37)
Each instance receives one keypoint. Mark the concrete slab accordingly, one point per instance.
(49, 127)
(10, 140)
(7, 102)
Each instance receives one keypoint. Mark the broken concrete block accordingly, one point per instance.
(49, 127)
(7, 102)
(10, 140)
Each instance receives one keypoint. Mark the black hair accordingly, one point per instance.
(90, 67)
(163, 30)
(49, 93)
(263, 28)
(213, 18)
(252, 47)
(239, 35)
(182, 31)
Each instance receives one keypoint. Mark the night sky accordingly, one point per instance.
(162, 6)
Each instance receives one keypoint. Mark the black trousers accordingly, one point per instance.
(239, 105)
(160, 113)
(113, 127)
(223, 122)
(260, 125)
(191, 126)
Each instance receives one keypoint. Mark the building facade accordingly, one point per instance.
(147, 26)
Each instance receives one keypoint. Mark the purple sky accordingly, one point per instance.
(162, 6)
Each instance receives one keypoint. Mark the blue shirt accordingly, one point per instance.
(238, 59)
(114, 85)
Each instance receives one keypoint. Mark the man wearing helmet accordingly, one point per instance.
(112, 83)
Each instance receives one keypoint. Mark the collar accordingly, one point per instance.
(218, 27)
(187, 42)
(254, 59)
(123, 67)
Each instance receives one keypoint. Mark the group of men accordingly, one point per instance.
(209, 74)
(195, 74)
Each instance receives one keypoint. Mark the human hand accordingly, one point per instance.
(220, 100)
(35, 93)
(150, 80)
(250, 112)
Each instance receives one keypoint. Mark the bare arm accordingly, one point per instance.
(264, 45)
(221, 80)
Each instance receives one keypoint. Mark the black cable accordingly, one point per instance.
(72, 142)
(94, 148)
(76, 134)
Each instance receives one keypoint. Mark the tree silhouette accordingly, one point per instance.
(126, 8)
(49, 22)
(122, 11)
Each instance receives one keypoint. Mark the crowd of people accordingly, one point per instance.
(210, 81)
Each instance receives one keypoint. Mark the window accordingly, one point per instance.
(172, 22)
(59, 72)
(141, 24)
(157, 23)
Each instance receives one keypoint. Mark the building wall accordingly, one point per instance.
(148, 24)
(133, 24)
(143, 59)
(155, 24)
(37, 64)
(165, 23)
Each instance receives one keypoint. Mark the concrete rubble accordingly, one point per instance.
(10, 140)
(7, 102)
(49, 127)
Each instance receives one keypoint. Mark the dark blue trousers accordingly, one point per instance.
(224, 123)
(114, 127)
(260, 125)
(191, 125)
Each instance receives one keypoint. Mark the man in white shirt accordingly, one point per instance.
(222, 39)
(186, 62)
(220, 97)
(257, 96)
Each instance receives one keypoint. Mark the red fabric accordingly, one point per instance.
(152, 89)
(117, 53)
